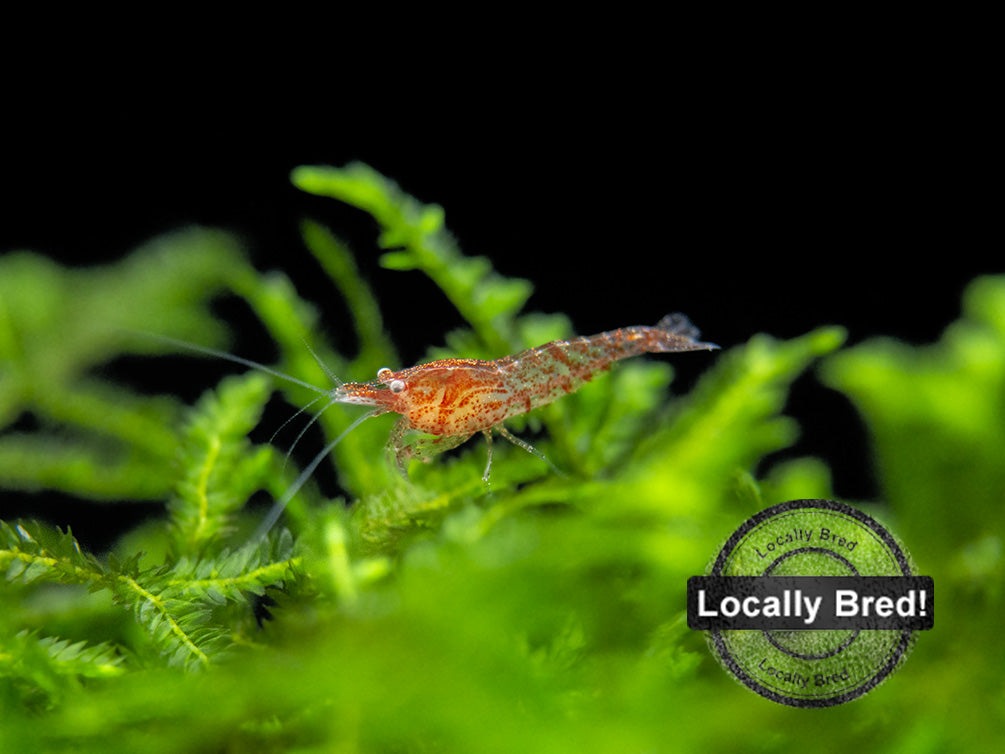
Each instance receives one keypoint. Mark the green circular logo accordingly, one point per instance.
(811, 603)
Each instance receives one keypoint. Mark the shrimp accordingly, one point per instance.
(454, 399)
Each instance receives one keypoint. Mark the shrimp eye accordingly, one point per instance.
(396, 386)
(383, 373)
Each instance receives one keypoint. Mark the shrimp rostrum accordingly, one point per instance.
(453, 399)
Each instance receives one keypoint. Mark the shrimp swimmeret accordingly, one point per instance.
(452, 399)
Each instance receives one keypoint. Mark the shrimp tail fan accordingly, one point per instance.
(678, 324)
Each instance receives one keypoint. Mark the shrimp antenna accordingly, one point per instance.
(315, 417)
(280, 505)
(303, 431)
(293, 489)
(242, 361)
(300, 410)
(331, 375)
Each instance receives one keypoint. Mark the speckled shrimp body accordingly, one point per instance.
(453, 399)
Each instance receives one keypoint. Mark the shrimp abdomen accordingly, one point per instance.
(538, 376)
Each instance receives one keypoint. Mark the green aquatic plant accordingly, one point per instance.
(540, 613)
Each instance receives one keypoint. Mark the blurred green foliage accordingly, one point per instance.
(542, 613)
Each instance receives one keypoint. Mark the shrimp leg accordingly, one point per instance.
(526, 446)
(422, 449)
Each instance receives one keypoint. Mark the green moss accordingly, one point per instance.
(541, 613)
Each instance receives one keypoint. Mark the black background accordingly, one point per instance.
(760, 204)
